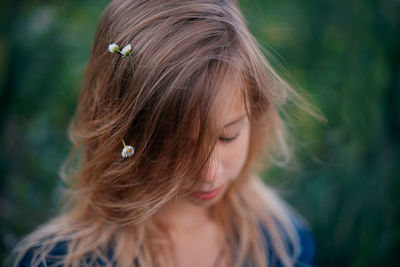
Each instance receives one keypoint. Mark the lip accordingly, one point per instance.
(209, 194)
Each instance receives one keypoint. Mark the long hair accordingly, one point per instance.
(183, 53)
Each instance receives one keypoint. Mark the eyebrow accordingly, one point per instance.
(235, 121)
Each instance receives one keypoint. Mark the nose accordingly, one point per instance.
(214, 171)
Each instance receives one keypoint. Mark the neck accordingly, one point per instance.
(184, 216)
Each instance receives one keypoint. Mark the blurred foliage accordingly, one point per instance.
(345, 54)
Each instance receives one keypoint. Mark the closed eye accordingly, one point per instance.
(228, 139)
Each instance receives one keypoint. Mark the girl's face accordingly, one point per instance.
(229, 154)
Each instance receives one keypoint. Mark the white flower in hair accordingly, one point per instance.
(113, 48)
(126, 51)
(127, 151)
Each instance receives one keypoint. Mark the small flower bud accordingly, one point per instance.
(126, 51)
(127, 151)
(113, 48)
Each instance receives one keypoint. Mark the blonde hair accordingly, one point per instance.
(183, 51)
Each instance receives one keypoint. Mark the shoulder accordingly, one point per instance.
(38, 256)
(41, 256)
(307, 249)
(307, 243)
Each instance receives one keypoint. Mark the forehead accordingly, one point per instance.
(226, 105)
(231, 103)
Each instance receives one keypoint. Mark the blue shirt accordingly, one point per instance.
(306, 256)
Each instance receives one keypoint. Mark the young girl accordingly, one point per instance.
(178, 112)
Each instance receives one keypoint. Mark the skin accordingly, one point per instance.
(193, 231)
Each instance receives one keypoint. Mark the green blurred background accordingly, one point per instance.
(344, 53)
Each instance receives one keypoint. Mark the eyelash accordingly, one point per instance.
(228, 139)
